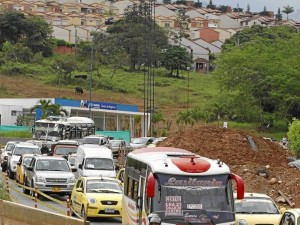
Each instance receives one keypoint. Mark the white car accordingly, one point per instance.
(141, 142)
(18, 150)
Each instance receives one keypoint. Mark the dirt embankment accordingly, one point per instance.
(232, 147)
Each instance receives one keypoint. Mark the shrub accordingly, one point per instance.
(294, 137)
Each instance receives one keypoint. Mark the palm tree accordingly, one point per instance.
(287, 10)
(49, 109)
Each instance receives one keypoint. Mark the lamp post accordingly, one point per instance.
(91, 73)
(188, 90)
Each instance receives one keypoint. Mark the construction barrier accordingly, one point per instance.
(31, 216)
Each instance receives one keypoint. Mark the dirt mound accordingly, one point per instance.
(232, 147)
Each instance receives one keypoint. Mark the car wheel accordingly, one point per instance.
(3, 167)
(25, 190)
(83, 212)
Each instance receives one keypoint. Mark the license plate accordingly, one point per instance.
(109, 210)
(55, 189)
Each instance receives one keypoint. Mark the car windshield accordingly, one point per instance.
(26, 161)
(9, 147)
(140, 141)
(255, 206)
(116, 143)
(26, 150)
(52, 165)
(103, 186)
(62, 150)
(99, 164)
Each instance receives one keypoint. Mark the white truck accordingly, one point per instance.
(94, 160)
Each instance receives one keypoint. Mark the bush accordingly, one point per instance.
(294, 137)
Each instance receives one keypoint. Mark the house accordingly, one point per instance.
(166, 22)
(210, 47)
(228, 22)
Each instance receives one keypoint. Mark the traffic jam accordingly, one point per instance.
(137, 182)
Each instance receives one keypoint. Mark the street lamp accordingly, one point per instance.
(91, 73)
(188, 90)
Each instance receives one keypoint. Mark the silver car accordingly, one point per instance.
(50, 175)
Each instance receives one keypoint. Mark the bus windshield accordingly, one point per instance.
(194, 196)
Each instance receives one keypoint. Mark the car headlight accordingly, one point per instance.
(242, 222)
(40, 179)
(92, 200)
(71, 180)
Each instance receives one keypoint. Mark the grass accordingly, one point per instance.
(3, 193)
(17, 134)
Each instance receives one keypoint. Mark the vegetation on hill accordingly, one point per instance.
(255, 79)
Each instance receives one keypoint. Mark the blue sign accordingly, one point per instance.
(102, 105)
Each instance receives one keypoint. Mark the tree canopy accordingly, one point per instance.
(32, 32)
(261, 71)
(138, 35)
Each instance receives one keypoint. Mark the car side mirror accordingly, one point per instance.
(74, 170)
(80, 166)
(78, 189)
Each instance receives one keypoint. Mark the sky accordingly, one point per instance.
(258, 5)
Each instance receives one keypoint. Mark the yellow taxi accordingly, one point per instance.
(255, 209)
(23, 162)
(97, 197)
(290, 217)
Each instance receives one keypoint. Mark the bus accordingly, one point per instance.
(178, 187)
(61, 128)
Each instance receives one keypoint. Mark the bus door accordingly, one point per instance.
(140, 202)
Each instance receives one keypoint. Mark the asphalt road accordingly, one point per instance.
(48, 205)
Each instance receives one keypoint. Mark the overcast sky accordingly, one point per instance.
(258, 5)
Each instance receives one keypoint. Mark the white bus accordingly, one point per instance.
(61, 128)
(178, 187)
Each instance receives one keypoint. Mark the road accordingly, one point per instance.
(17, 196)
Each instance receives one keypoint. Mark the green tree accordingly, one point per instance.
(17, 53)
(38, 35)
(184, 118)
(294, 137)
(33, 32)
(12, 27)
(167, 1)
(49, 109)
(135, 34)
(278, 15)
(288, 10)
(248, 8)
(176, 58)
(198, 4)
(66, 66)
(211, 5)
(258, 73)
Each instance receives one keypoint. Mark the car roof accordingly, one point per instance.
(294, 210)
(253, 195)
(66, 146)
(49, 157)
(26, 144)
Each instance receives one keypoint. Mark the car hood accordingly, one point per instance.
(139, 145)
(104, 173)
(253, 219)
(54, 174)
(106, 196)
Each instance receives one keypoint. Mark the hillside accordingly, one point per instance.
(231, 147)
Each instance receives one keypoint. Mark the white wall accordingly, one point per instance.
(23, 102)
(6, 114)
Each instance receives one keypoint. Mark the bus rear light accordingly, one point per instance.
(239, 185)
(150, 186)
